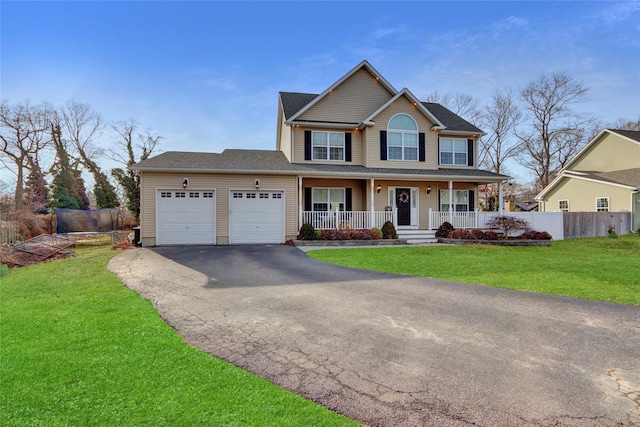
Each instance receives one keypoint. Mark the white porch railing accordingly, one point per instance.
(346, 219)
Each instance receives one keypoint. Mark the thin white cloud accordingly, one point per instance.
(617, 12)
(512, 23)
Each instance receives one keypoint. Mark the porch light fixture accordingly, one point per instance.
(185, 183)
(428, 189)
(379, 188)
(257, 184)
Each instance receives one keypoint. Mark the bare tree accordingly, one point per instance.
(624, 124)
(466, 106)
(82, 125)
(132, 147)
(500, 119)
(555, 133)
(23, 136)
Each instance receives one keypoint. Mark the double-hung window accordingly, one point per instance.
(328, 199)
(563, 205)
(460, 200)
(453, 151)
(327, 145)
(602, 204)
(402, 138)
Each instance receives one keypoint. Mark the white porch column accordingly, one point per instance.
(451, 202)
(372, 208)
(300, 206)
(500, 199)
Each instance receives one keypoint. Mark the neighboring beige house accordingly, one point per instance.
(603, 177)
(356, 155)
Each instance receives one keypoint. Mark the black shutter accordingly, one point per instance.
(472, 201)
(383, 145)
(347, 147)
(438, 153)
(421, 149)
(347, 202)
(469, 152)
(307, 199)
(307, 145)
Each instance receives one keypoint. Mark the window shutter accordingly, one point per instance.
(470, 152)
(307, 199)
(347, 147)
(472, 202)
(307, 145)
(438, 151)
(383, 145)
(421, 148)
(347, 202)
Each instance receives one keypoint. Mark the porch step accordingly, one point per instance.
(418, 236)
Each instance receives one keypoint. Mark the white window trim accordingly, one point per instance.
(344, 199)
(454, 152)
(403, 133)
(608, 204)
(442, 201)
(563, 210)
(327, 146)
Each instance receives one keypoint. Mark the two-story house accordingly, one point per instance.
(356, 155)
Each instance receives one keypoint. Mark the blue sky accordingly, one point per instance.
(206, 75)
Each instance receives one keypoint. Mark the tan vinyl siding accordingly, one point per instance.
(356, 146)
(221, 183)
(610, 153)
(285, 141)
(352, 101)
(372, 138)
(582, 196)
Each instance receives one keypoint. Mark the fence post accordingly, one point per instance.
(430, 220)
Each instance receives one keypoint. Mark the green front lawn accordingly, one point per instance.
(78, 348)
(601, 269)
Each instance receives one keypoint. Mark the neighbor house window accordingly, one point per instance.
(460, 200)
(453, 151)
(563, 205)
(602, 204)
(402, 138)
(328, 199)
(327, 145)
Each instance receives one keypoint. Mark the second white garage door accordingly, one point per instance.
(256, 217)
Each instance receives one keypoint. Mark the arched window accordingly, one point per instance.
(402, 138)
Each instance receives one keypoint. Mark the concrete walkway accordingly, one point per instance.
(394, 350)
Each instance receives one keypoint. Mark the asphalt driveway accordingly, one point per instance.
(395, 350)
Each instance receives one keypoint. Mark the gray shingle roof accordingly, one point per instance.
(450, 119)
(632, 134)
(271, 161)
(630, 177)
(292, 102)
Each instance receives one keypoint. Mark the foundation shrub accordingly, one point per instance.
(389, 231)
(307, 232)
(444, 230)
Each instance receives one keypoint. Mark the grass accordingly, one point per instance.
(78, 348)
(600, 269)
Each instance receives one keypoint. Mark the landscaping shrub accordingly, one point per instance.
(348, 234)
(389, 231)
(508, 224)
(535, 235)
(377, 232)
(307, 232)
(444, 230)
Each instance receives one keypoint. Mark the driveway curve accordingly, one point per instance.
(393, 350)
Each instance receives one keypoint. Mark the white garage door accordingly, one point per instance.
(256, 217)
(186, 217)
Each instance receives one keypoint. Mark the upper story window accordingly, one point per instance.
(602, 204)
(327, 145)
(453, 151)
(402, 138)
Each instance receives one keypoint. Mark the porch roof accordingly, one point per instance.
(274, 162)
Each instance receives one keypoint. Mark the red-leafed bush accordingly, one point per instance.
(535, 235)
(348, 234)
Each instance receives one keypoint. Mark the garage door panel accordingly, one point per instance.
(256, 217)
(188, 218)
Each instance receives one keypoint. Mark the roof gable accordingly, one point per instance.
(412, 99)
(628, 139)
(357, 73)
